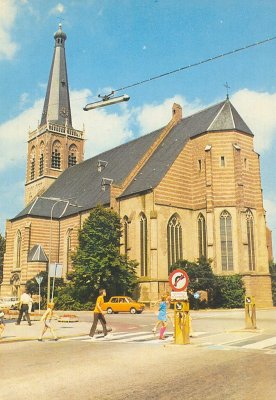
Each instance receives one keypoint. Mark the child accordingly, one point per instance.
(2, 325)
(162, 317)
(46, 319)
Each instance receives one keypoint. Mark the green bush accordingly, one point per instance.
(272, 269)
(229, 292)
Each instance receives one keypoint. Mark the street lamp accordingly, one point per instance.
(107, 100)
(67, 203)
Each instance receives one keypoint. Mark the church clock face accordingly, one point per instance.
(63, 112)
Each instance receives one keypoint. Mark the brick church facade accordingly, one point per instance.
(189, 189)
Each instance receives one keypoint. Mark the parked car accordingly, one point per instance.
(9, 302)
(122, 304)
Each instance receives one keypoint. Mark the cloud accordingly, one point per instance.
(8, 13)
(153, 116)
(258, 111)
(104, 129)
(15, 131)
(58, 9)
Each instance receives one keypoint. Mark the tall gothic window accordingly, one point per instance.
(226, 241)
(143, 245)
(174, 238)
(68, 248)
(18, 242)
(72, 156)
(250, 240)
(125, 233)
(56, 155)
(201, 226)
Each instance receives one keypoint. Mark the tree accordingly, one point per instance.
(2, 252)
(97, 262)
(33, 287)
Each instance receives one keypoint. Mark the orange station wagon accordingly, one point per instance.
(122, 304)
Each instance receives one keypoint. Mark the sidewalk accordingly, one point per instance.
(24, 332)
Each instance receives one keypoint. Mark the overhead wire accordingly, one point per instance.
(196, 64)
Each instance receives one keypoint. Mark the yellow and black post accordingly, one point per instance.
(250, 312)
(181, 322)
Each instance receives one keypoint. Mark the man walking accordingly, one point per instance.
(98, 315)
(25, 300)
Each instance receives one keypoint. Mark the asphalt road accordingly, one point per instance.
(86, 370)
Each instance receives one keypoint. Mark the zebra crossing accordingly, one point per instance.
(260, 342)
(126, 337)
(264, 342)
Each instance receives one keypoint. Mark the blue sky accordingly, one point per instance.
(114, 43)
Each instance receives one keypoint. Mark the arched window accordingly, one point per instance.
(72, 155)
(41, 159)
(250, 240)
(125, 233)
(18, 243)
(174, 238)
(56, 155)
(32, 168)
(201, 226)
(226, 241)
(143, 245)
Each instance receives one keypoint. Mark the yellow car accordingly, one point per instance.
(122, 304)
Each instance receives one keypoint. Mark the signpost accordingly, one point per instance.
(39, 279)
(178, 281)
(55, 271)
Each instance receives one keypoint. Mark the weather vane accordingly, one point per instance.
(227, 87)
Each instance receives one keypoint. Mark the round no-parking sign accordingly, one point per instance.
(178, 280)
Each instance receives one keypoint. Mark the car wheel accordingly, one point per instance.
(109, 310)
(133, 310)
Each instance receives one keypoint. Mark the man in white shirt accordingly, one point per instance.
(25, 300)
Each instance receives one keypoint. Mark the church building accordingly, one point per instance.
(189, 189)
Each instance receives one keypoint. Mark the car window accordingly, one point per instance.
(122, 300)
(114, 300)
(130, 300)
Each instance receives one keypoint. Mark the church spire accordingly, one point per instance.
(57, 102)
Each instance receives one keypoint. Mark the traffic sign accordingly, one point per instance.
(196, 295)
(183, 295)
(179, 306)
(178, 280)
(39, 279)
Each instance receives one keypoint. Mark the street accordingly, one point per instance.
(222, 361)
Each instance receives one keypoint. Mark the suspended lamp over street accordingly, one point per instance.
(107, 100)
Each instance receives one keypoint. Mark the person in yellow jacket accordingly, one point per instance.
(46, 320)
(99, 314)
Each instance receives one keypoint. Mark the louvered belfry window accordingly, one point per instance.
(41, 164)
(227, 263)
(143, 245)
(250, 240)
(32, 168)
(201, 226)
(56, 159)
(72, 156)
(18, 250)
(174, 238)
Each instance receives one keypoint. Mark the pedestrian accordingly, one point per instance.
(2, 325)
(162, 316)
(46, 320)
(25, 300)
(98, 315)
(166, 298)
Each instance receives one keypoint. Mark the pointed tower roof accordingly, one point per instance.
(227, 118)
(57, 102)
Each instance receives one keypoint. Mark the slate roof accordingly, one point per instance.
(82, 184)
(37, 254)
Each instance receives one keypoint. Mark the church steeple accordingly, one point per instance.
(57, 102)
(55, 145)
